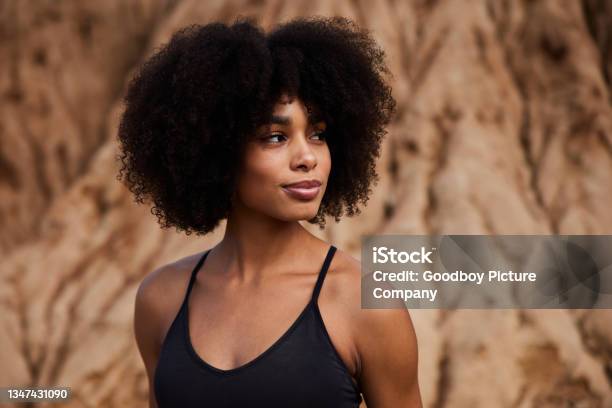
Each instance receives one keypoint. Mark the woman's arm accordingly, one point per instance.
(388, 353)
(146, 324)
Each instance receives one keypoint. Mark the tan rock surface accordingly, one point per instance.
(504, 126)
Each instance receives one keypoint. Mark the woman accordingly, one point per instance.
(263, 130)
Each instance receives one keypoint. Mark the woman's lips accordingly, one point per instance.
(302, 193)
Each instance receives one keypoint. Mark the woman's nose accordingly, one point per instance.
(303, 155)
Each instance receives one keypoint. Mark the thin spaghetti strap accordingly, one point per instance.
(195, 272)
(322, 273)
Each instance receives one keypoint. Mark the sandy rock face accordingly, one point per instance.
(504, 126)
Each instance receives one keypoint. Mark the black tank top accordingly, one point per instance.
(301, 369)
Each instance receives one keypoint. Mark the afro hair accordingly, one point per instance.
(191, 107)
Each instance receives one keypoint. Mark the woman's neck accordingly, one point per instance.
(255, 245)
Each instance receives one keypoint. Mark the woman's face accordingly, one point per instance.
(291, 149)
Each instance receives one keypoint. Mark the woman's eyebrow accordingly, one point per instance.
(280, 120)
(286, 120)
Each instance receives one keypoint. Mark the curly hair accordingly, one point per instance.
(192, 106)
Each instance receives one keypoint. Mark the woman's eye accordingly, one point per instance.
(279, 137)
(274, 135)
(321, 135)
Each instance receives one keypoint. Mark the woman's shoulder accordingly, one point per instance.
(162, 290)
(345, 286)
(172, 273)
(369, 327)
(344, 276)
(340, 297)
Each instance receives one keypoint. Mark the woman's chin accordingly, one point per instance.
(301, 215)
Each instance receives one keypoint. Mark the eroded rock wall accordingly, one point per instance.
(504, 126)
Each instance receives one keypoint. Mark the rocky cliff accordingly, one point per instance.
(504, 126)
